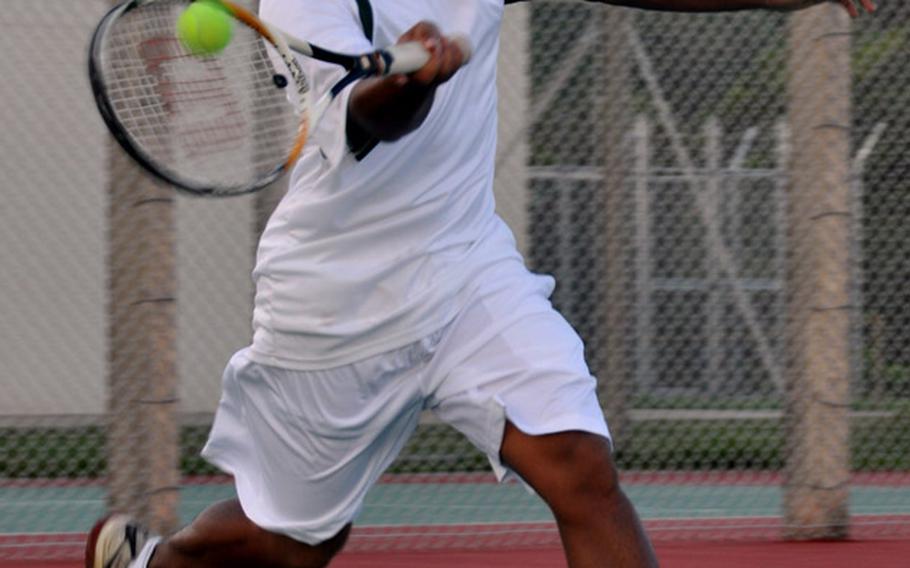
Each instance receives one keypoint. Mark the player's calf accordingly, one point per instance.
(223, 537)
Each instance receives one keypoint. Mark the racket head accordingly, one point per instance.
(219, 125)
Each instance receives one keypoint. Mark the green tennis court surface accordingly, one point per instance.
(54, 510)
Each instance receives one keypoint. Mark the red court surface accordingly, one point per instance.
(850, 554)
(877, 554)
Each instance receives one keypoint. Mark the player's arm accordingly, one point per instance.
(852, 6)
(387, 108)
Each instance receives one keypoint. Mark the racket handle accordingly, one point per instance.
(411, 56)
(407, 57)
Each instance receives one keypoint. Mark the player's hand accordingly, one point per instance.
(853, 9)
(446, 57)
(852, 6)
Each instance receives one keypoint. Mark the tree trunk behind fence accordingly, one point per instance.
(143, 437)
(817, 471)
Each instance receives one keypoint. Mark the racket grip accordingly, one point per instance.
(407, 57)
(411, 56)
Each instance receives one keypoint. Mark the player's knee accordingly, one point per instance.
(573, 471)
(587, 479)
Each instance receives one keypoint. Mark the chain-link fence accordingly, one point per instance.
(719, 197)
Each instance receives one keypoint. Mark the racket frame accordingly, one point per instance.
(401, 58)
(159, 170)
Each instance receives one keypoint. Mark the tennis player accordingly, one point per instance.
(385, 286)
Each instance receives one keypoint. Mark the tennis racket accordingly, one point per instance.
(224, 124)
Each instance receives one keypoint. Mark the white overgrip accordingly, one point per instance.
(407, 57)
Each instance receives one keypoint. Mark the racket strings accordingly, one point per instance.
(221, 122)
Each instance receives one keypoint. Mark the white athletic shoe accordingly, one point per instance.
(114, 542)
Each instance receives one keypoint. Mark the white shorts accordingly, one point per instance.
(304, 447)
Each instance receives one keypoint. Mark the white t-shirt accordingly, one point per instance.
(365, 256)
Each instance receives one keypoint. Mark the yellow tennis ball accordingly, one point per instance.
(205, 28)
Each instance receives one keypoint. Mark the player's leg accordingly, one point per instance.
(574, 473)
(303, 447)
(223, 537)
(511, 375)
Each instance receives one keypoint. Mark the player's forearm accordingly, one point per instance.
(713, 5)
(389, 108)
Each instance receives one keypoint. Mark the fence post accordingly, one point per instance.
(614, 368)
(644, 333)
(512, 183)
(714, 211)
